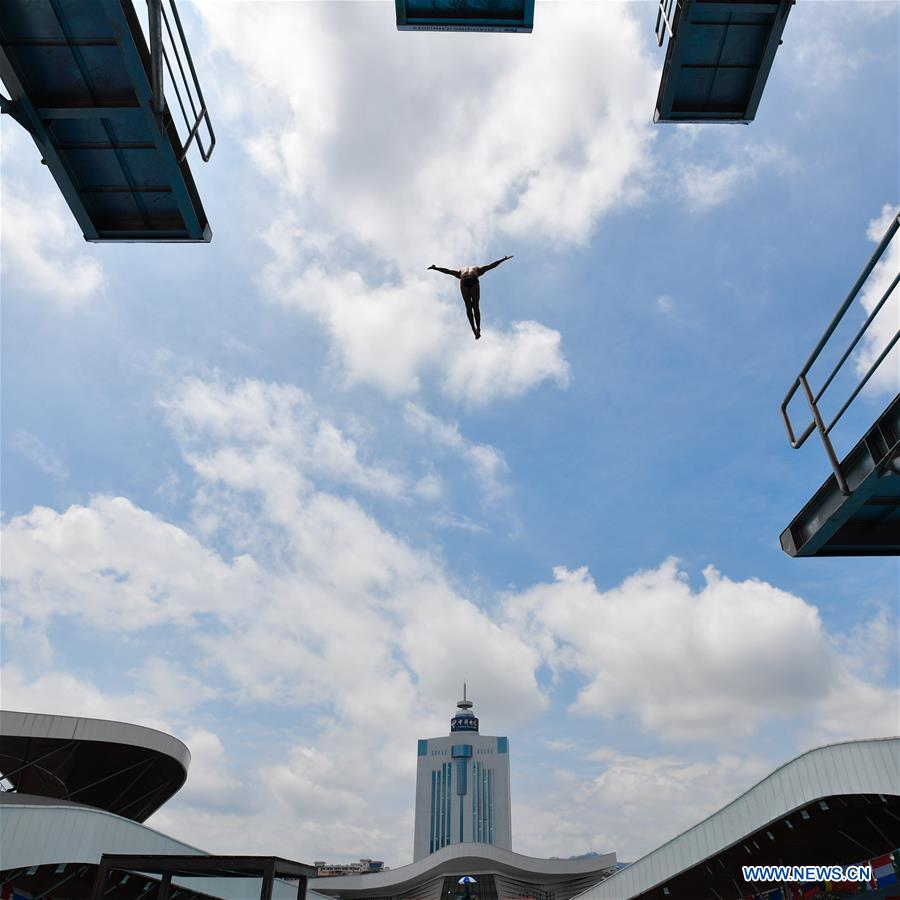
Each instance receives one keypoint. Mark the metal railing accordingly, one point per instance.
(667, 19)
(166, 52)
(801, 380)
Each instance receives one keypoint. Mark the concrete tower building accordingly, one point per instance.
(462, 788)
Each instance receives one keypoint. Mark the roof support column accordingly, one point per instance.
(164, 884)
(100, 879)
(268, 881)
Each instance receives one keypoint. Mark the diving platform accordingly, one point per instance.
(465, 15)
(718, 57)
(856, 511)
(85, 84)
(866, 521)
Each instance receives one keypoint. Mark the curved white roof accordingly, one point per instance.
(466, 859)
(43, 833)
(43, 726)
(853, 767)
(92, 761)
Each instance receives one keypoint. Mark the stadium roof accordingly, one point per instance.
(843, 800)
(564, 877)
(125, 769)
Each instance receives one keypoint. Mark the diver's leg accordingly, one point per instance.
(476, 297)
(471, 315)
(468, 295)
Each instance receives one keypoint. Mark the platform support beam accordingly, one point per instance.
(154, 12)
(11, 109)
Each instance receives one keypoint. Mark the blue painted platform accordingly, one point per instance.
(867, 521)
(718, 57)
(78, 74)
(465, 15)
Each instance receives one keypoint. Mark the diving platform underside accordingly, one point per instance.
(867, 521)
(718, 58)
(79, 77)
(465, 15)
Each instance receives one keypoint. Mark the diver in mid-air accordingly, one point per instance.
(471, 291)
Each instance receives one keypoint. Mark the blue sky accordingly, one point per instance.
(269, 495)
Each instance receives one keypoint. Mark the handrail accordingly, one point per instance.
(817, 422)
(162, 51)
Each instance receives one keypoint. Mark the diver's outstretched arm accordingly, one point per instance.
(452, 272)
(493, 265)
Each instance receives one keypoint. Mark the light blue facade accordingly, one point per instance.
(462, 788)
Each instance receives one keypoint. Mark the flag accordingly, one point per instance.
(848, 887)
(883, 870)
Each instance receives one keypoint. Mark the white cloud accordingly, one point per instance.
(56, 693)
(871, 648)
(35, 451)
(665, 304)
(704, 186)
(329, 605)
(333, 617)
(311, 802)
(460, 522)
(508, 364)
(41, 252)
(387, 336)
(314, 781)
(392, 335)
(886, 324)
(397, 145)
(429, 487)
(349, 630)
(524, 152)
(631, 804)
(162, 693)
(822, 49)
(711, 664)
(822, 57)
(854, 708)
(168, 488)
(277, 417)
(211, 783)
(113, 565)
(488, 463)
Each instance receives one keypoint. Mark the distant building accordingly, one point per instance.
(463, 827)
(363, 867)
(462, 788)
